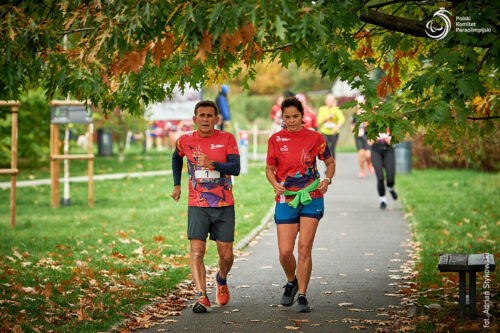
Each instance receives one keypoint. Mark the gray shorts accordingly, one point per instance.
(218, 221)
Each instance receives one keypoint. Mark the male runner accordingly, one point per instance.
(212, 157)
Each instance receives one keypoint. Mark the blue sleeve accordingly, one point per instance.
(231, 167)
(224, 108)
(176, 167)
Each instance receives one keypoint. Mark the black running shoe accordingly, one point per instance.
(289, 293)
(383, 205)
(394, 194)
(302, 304)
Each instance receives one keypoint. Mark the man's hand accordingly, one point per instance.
(323, 186)
(176, 193)
(204, 161)
(279, 189)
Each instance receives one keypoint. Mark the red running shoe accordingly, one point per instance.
(222, 296)
(202, 305)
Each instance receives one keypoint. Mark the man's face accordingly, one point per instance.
(205, 120)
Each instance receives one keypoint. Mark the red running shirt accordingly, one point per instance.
(294, 155)
(208, 192)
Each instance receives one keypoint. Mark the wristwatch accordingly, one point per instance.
(212, 165)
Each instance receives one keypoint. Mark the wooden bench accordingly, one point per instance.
(463, 263)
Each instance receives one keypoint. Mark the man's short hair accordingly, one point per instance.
(206, 103)
(292, 101)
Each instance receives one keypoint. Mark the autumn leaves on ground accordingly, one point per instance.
(451, 211)
(80, 269)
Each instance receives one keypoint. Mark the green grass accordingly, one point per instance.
(97, 264)
(135, 161)
(450, 211)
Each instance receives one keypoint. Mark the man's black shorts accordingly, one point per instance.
(218, 221)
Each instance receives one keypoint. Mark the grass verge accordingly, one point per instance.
(81, 270)
(451, 211)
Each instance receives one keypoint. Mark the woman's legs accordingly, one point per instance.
(361, 161)
(378, 164)
(287, 233)
(308, 226)
(368, 160)
(390, 166)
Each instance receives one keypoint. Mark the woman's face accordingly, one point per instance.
(292, 119)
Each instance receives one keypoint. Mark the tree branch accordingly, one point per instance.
(483, 118)
(379, 5)
(67, 32)
(278, 48)
(395, 23)
(480, 65)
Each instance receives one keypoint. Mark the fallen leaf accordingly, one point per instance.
(359, 327)
(292, 328)
(345, 304)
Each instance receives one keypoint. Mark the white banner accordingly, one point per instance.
(179, 107)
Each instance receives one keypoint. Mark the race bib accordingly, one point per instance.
(329, 124)
(361, 132)
(206, 175)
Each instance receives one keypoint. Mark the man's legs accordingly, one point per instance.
(197, 253)
(226, 258)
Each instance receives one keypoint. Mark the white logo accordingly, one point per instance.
(439, 32)
(216, 146)
(285, 148)
(279, 139)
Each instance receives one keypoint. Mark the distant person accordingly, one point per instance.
(223, 106)
(291, 170)
(330, 120)
(309, 118)
(276, 115)
(382, 156)
(364, 153)
(212, 157)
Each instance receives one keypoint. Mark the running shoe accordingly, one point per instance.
(362, 174)
(370, 169)
(291, 289)
(394, 194)
(222, 295)
(383, 205)
(202, 305)
(302, 304)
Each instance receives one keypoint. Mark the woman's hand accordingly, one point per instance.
(323, 186)
(279, 189)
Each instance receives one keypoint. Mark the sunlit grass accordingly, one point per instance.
(81, 269)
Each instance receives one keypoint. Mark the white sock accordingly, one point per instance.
(390, 189)
(383, 199)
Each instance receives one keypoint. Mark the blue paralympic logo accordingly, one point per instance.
(439, 32)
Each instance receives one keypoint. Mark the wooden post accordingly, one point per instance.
(13, 165)
(90, 132)
(472, 295)
(54, 164)
(255, 142)
(462, 294)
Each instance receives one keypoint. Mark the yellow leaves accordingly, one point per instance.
(482, 105)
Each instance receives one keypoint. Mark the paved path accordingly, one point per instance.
(83, 179)
(357, 248)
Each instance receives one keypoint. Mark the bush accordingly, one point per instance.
(484, 155)
(33, 131)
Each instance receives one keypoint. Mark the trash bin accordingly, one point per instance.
(403, 157)
(104, 142)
